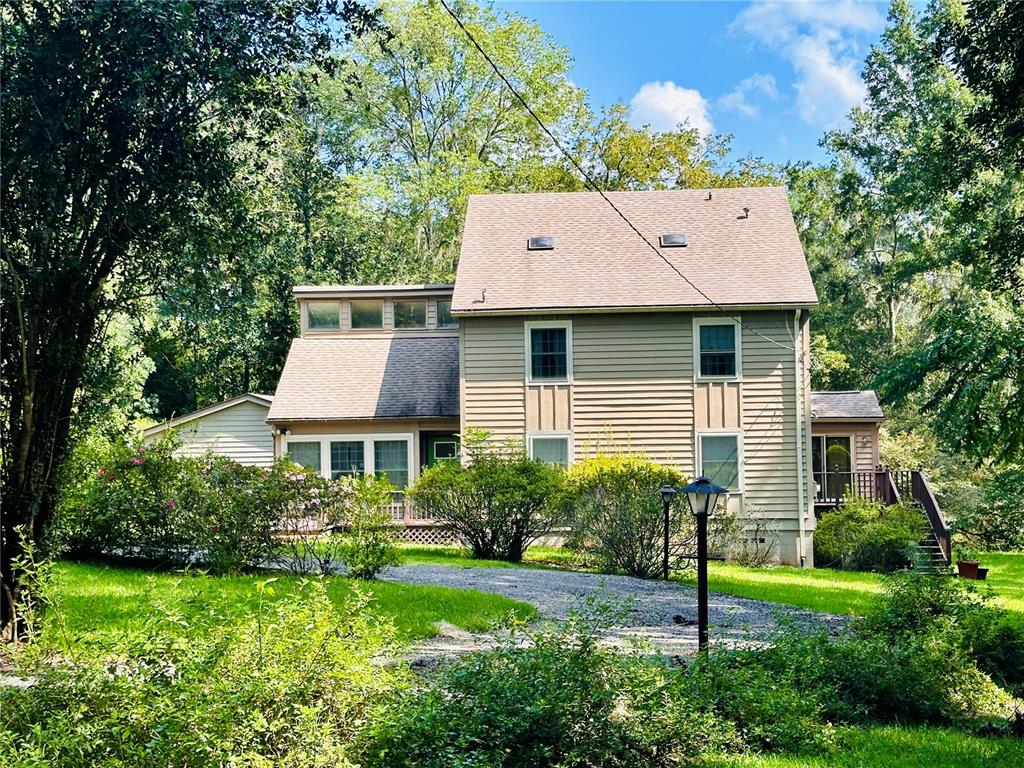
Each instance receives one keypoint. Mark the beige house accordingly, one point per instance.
(566, 331)
(236, 428)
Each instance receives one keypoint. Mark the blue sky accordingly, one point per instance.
(776, 75)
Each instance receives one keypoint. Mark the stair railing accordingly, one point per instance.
(921, 492)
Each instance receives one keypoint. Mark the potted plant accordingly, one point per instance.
(967, 565)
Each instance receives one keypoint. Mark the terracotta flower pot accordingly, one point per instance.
(967, 569)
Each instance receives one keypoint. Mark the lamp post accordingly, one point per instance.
(667, 492)
(702, 495)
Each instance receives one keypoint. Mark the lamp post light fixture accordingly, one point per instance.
(702, 496)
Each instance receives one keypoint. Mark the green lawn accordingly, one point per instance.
(848, 592)
(895, 747)
(536, 557)
(99, 601)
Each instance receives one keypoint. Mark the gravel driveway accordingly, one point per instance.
(661, 613)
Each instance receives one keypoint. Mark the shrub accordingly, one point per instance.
(290, 685)
(866, 535)
(370, 541)
(562, 701)
(497, 506)
(614, 509)
(144, 502)
(915, 603)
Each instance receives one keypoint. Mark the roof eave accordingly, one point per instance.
(636, 308)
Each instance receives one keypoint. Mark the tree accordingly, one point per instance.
(122, 123)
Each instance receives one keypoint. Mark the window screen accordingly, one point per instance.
(548, 358)
(551, 450)
(306, 454)
(444, 315)
(391, 459)
(367, 313)
(410, 314)
(322, 314)
(718, 350)
(719, 459)
(347, 458)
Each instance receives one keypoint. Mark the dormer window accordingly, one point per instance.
(367, 313)
(321, 315)
(410, 314)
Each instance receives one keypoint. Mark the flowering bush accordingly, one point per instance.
(143, 502)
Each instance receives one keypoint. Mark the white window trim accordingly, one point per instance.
(738, 434)
(528, 326)
(699, 322)
(531, 436)
(367, 439)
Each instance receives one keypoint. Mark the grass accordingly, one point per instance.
(896, 747)
(1005, 578)
(536, 557)
(101, 601)
(819, 589)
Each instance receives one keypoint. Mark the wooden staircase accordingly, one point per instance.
(911, 487)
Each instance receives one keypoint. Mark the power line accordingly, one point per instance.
(592, 184)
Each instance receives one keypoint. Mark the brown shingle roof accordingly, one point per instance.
(853, 404)
(368, 378)
(599, 262)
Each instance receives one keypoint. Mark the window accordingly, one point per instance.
(347, 458)
(306, 454)
(444, 315)
(322, 314)
(549, 357)
(717, 349)
(391, 460)
(551, 449)
(720, 459)
(410, 314)
(367, 313)
(832, 464)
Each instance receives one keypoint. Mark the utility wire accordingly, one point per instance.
(592, 184)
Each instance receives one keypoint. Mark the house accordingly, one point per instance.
(844, 442)
(568, 332)
(236, 428)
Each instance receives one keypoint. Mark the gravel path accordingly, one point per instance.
(661, 613)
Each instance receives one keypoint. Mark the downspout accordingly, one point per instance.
(799, 379)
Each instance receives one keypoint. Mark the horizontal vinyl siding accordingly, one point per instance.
(632, 386)
(493, 374)
(239, 432)
(770, 417)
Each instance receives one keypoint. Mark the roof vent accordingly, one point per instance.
(545, 243)
(673, 240)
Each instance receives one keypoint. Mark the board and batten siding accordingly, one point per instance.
(239, 432)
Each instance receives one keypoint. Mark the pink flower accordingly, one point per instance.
(136, 460)
(170, 503)
(102, 472)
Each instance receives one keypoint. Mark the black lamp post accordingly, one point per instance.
(702, 495)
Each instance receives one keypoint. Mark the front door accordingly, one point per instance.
(832, 462)
(442, 448)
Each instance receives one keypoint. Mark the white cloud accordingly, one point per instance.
(739, 98)
(820, 40)
(664, 106)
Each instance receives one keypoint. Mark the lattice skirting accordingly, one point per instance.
(426, 533)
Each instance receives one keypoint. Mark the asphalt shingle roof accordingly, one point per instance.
(368, 378)
(854, 404)
(599, 262)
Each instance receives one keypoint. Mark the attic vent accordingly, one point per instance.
(540, 243)
(673, 240)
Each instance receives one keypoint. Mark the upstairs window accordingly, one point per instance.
(322, 314)
(444, 315)
(367, 313)
(548, 352)
(717, 350)
(410, 314)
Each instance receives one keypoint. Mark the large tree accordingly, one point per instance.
(122, 128)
